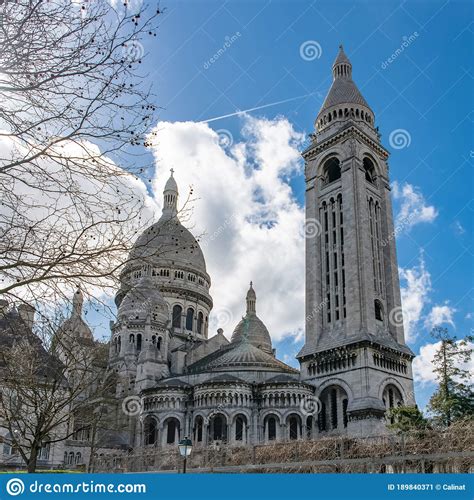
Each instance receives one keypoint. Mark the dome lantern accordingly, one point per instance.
(170, 197)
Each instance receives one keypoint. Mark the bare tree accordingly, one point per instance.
(48, 377)
(74, 116)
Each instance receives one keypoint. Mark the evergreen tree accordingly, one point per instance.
(407, 418)
(454, 398)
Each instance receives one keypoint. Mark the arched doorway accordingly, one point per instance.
(150, 431)
(240, 429)
(172, 430)
(333, 413)
(271, 428)
(293, 423)
(218, 428)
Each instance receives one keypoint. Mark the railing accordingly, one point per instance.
(450, 450)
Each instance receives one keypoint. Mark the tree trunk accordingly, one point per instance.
(31, 466)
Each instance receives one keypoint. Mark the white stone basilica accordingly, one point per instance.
(354, 364)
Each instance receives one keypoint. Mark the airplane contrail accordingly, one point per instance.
(258, 107)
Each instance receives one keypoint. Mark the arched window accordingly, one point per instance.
(189, 319)
(369, 170)
(332, 170)
(150, 431)
(172, 432)
(132, 338)
(78, 458)
(378, 310)
(309, 427)
(198, 429)
(293, 422)
(271, 428)
(392, 398)
(240, 422)
(139, 342)
(70, 460)
(334, 408)
(333, 414)
(177, 313)
(158, 344)
(218, 428)
(200, 321)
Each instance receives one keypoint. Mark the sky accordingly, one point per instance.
(240, 84)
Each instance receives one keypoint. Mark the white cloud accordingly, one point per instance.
(413, 207)
(440, 315)
(423, 363)
(246, 209)
(73, 203)
(415, 287)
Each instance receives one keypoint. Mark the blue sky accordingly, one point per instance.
(426, 91)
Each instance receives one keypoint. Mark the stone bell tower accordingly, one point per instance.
(355, 352)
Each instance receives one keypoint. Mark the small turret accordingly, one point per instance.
(170, 197)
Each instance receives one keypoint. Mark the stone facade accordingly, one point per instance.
(355, 352)
(172, 380)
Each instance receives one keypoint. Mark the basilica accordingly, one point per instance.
(173, 378)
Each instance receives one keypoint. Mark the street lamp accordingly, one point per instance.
(185, 447)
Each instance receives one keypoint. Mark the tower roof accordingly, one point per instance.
(341, 57)
(343, 89)
(251, 328)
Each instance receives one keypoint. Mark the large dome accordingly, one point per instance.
(168, 242)
(251, 328)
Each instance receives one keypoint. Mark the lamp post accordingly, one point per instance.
(185, 447)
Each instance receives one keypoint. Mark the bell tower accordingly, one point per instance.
(355, 351)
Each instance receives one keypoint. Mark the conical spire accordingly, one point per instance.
(170, 197)
(251, 300)
(345, 95)
(342, 67)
